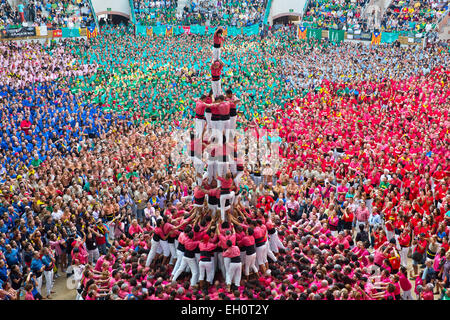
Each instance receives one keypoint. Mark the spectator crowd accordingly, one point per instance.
(92, 188)
(418, 16)
(52, 13)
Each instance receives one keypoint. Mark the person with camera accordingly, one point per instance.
(404, 240)
(48, 261)
(419, 253)
(37, 268)
(101, 234)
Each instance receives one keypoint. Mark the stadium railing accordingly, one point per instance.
(267, 12)
(95, 16)
(133, 14)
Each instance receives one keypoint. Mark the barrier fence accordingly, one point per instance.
(42, 32)
(375, 37)
(167, 30)
(303, 33)
(267, 12)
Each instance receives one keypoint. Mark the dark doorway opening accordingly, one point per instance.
(285, 20)
(114, 19)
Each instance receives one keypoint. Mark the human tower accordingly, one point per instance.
(215, 138)
(212, 242)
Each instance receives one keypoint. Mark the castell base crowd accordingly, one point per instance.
(310, 167)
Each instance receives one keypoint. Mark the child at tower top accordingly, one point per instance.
(218, 40)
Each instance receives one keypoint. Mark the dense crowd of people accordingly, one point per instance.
(52, 13)
(418, 16)
(201, 12)
(336, 14)
(224, 12)
(357, 207)
(152, 12)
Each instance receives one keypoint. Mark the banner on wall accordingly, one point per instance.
(366, 36)
(187, 29)
(197, 29)
(314, 33)
(177, 30)
(336, 35)
(301, 33)
(70, 32)
(389, 37)
(194, 29)
(141, 30)
(250, 31)
(169, 31)
(41, 30)
(57, 33)
(91, 32)
(376, 38)
(163, 30)
(234, 31)
(211, 30)
(159, 30)
(19, 32)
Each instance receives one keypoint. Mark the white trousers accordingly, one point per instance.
(208, 120)
(261, 255)
(212, 170)
(217, 131)
(197, 258)
(243, 254)
(275, 242)
(216, 53)
(155, 245)
(234, 272)
(199, 125)
(406, 295)
(250, 263)
(269, 253)
(226, 129)
(173, 252)
(232, 125)
(178, 263)
(216, 88)
(221, 264)
(199, 165)
(222, 168)
(223, 200)
(193, 266)
(237, 179)
(112, 230)
(206, 268)
(165, 247)
(48, 281)
(39, 284)
(404, 256)
(233, 167)
(213, 210)
(93, 256)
